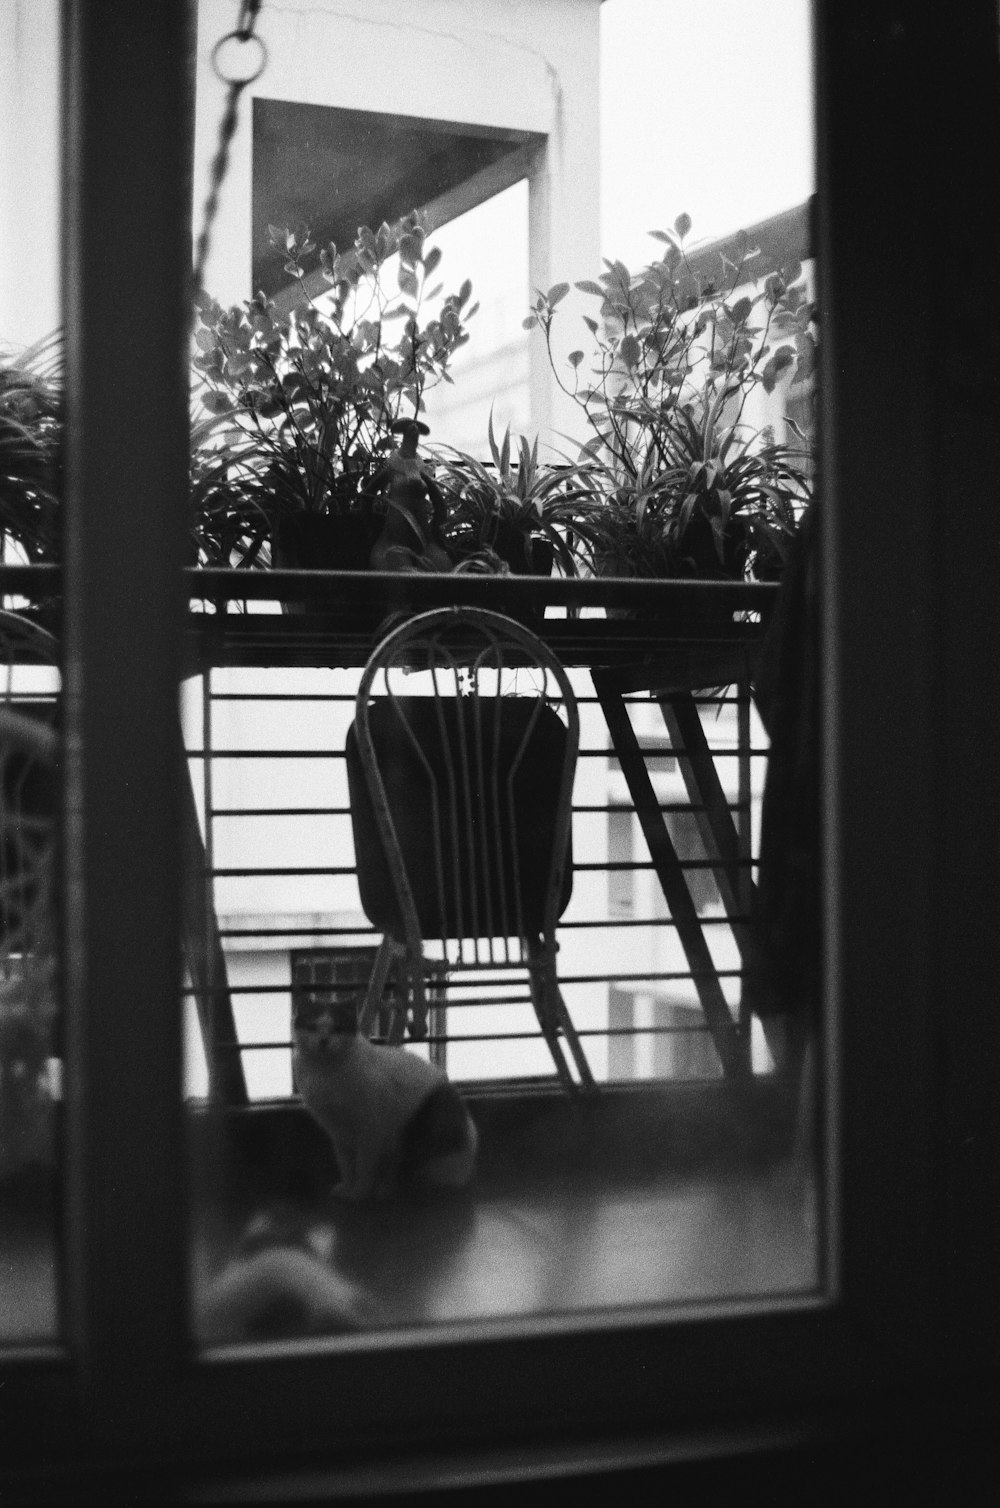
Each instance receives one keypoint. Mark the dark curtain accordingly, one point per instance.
(783, 972)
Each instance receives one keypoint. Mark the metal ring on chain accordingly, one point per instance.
(232, 76)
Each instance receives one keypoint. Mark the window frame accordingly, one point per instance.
(910, 1126)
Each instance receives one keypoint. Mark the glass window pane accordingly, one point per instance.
(629, 1129)
(30, 397)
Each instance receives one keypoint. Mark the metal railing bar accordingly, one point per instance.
(281, 811)
(633, 866)
(611, 866)
(632, 699)
(281, 696)
(371, 936)
(593, 809)
(237, 872)
(618, 807)
(266, 753)
(756, 752)
(468, 1002)
(520, 1036)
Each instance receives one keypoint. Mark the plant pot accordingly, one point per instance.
(326, 542)
(417, 782)
(522, 557)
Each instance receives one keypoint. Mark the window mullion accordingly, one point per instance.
(126, 198)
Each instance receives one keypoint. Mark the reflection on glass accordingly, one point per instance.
(30, 423)
(341, 1188)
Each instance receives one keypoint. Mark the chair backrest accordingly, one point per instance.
(460, 766)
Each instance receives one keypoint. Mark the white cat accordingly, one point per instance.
(395, 1120)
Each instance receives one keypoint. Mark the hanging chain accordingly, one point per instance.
(241, 45)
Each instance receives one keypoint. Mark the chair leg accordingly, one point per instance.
(419, 1004)
(544, 1013)
(554, 1019)
(575, 1045)
(374, 1000)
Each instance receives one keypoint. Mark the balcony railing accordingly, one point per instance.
(266, 718)
(665, 822)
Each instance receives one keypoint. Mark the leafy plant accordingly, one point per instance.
(231, 507)
(312, 399)
(31, 412)
(511, 511)
(681, 484)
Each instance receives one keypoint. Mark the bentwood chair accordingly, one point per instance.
(460, 766)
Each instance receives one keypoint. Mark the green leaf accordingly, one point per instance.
(783, 358)
(557, 293)
(407, 280)
(630, 351)
(590, 287)
(464, 293)
(682, 225)
(218, 403)
(574, 358)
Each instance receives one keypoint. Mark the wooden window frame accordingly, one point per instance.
(910, 1130)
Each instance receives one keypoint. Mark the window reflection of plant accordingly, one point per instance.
(31, 408)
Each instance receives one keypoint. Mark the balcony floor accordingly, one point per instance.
(636, 1201)
(639, 1201)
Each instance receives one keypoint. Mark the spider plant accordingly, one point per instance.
(231, 501)
(711, 501)
(511, 512)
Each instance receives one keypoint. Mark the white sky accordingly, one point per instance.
(706, 108)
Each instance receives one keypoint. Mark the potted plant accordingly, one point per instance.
(231, 514)
(681, 485)
(511, 513)
(228, 522)
(311, 400)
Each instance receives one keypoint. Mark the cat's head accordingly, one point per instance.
(322, 1023)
